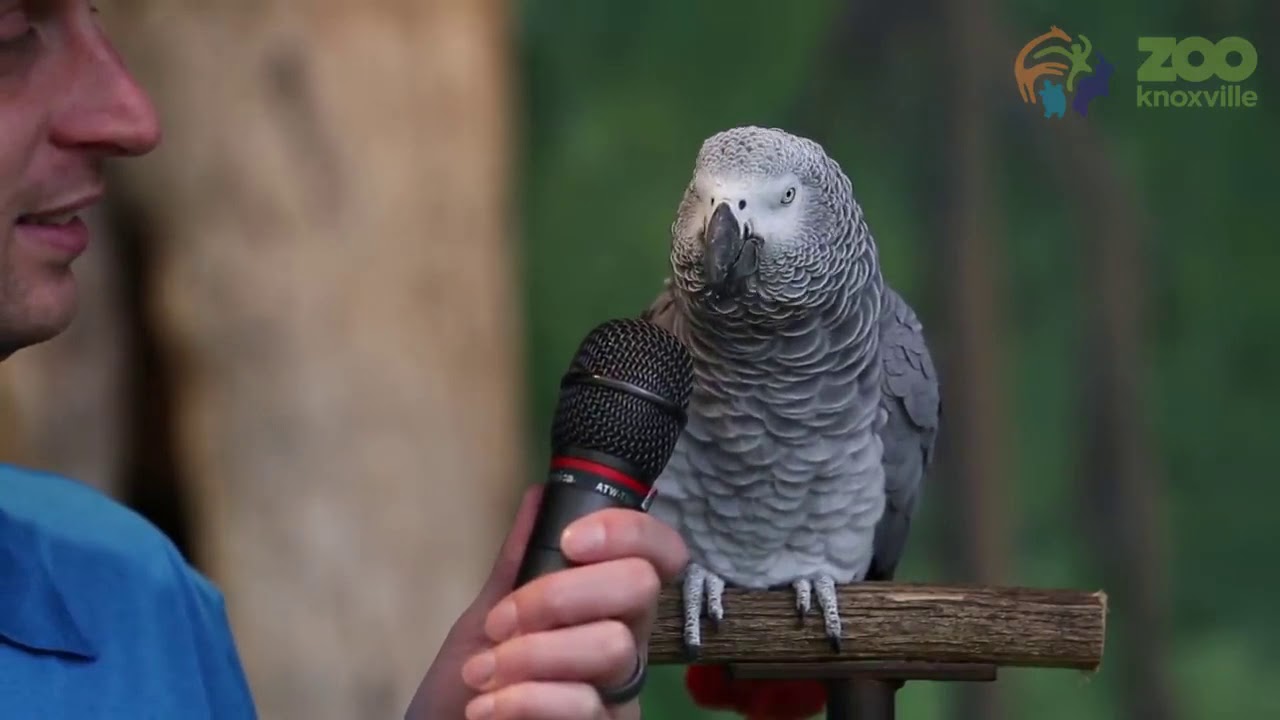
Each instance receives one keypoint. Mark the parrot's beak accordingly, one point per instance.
(729, 256)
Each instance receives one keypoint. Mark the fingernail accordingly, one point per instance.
(501, 623)
(582, 539)
(477, 671)
(480, 708)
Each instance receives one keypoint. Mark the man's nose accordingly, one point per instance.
(105, 108)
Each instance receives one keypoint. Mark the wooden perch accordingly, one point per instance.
(895, 630)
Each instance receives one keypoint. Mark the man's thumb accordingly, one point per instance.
(503, 575)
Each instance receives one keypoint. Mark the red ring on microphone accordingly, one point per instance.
(604, 471)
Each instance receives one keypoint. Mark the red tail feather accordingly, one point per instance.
(713, 689)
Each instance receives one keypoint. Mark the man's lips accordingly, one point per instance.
(59, 227)
(55, 214)
(68, 239)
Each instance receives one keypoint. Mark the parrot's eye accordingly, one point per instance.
(788, 196)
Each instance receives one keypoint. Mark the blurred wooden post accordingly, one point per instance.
(1123, 495)
(330, 208)
(974, 453)
(892, 633)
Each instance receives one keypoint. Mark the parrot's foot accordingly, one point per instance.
(700, 584)
(824, 586)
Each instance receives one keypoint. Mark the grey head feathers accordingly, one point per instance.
(767, 229)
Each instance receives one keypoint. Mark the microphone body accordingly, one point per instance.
(620, 412)
(574, 488)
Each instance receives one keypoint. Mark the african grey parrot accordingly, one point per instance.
(815, 406)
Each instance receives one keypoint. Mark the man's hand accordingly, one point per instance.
(540, 652)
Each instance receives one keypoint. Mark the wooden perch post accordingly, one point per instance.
(892, 633)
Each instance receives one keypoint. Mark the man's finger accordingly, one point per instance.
(507, 564)
(624, 589)
(618, 533)
(601, 653)
(539, 701)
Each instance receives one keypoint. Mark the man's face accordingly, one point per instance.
(66, 104)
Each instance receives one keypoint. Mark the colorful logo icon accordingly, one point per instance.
(1081, 76)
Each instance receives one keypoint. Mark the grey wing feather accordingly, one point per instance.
(662, 311)
(911, 400)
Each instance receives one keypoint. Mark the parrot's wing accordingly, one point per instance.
(911, 401)
(662, 311)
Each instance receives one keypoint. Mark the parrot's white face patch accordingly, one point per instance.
(768, 208)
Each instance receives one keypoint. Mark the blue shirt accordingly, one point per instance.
(100, 615)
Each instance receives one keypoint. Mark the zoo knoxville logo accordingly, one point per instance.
(1221, 65)
(1068, 68)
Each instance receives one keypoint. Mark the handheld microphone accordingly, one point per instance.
(622, 408)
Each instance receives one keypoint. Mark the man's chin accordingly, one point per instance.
(46, 314)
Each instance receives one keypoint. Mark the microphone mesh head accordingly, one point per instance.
(613, 421)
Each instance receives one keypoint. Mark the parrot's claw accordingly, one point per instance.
(703, 596)
(802, 600)
(715, 599)
(694, 577)
(825, 588)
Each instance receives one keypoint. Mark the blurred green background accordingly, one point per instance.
(1137, 460)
